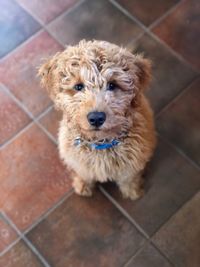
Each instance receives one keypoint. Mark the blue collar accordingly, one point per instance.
(101, 145)
(105, 145)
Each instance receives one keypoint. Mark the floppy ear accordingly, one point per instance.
(45, 72)
(143, 71)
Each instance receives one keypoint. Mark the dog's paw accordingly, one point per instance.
(133, 194)
(132, 191)
(81, 188)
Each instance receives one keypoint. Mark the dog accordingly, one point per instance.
(107, 130)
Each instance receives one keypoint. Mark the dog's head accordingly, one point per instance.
(96, 84)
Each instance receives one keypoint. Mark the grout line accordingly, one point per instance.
(42, 217)
(148, 239)
(50, 210)
(167, 13)
(21, 44)
(10, 246)
(167, 221)
(128, 14)
(34, 120)
(45, 112)
(51, 137)
(176, 98)
(45, 26)
(124, 212)
(180, 151)
(36, 252)
(137, 252)
(152, 35)
(30, 12)
(16, 135)
(149, 242)
(41, 22)
(158, 250)
(172, 51)
(17, 101)
(27, 242)
(162, 253)
(54, 37)
(140, 249)
(131, 44)
(66, 12)
(80, 2)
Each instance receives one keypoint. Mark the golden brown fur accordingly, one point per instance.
(95, 63)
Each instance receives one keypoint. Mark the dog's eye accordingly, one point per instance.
(111, 86)
(79, 86)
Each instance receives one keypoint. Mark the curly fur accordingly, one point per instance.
(95, 63)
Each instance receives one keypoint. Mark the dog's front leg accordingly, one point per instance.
(82, 187)
(131, 187)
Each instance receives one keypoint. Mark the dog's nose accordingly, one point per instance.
(96, 118)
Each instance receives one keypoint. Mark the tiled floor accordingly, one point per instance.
(42, 222)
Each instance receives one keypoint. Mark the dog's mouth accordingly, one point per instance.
(95, 129)
(92, 129)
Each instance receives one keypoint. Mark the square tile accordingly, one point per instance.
(148, 257)
(86, 232)
(170, 181)
(16, 26)
(181, 31)
(7, 234)
(51, 121)
(94, 19)
(147, 11)
(179, 238)
(47, 10)
(19, 71)
(12, 117)
(20, 256)
(170, 76)
(37, 179)
(180, 122)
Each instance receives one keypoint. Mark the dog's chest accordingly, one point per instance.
(99, 165)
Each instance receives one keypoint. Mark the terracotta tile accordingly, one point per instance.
(20, 256)
(94, 19)
(181, 31)
(19, 71)
(16, 26)
(148, 257)
(170, 76)
(36, 180)
(47, 10)
(86, 232)
(167, 189)
(12, 117)
(179, 238)
(147, 11)
(7, 234)
(180, 122)
(51, 121)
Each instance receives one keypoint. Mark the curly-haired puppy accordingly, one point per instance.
(107, 131)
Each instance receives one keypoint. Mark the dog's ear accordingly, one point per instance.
(45, 73)
(143, 71)
(139, 67)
